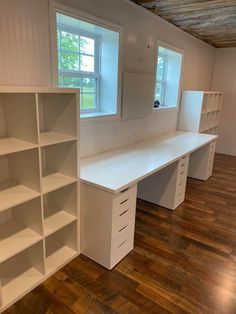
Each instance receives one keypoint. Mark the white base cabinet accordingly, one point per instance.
(166, 187)
(39, 188)
(201, 162)
(107, 224)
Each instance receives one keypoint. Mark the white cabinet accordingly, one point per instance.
(39, 170)
(201, 162)
(200, 111)
(166, 187)
(107, 224)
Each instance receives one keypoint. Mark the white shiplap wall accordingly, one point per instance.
(24, 43)
(26, 59)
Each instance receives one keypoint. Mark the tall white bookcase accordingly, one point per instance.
(39, 186)
(200, 111)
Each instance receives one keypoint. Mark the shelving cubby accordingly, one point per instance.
(57, 116)
(39, 187)
(18, 124)
(60, 208)
(200, 111)
(21, 273)
(61, 247)
(59, 166)
(20, 228)
(19, 178)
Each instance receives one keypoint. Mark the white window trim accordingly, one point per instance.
(178, 50)
(56, 7)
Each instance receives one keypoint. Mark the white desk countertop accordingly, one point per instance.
(116, 170)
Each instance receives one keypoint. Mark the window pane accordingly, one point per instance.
(87, 45)
(159, 92)
(86, 63)
(88, 101)
(69, 42)
(69, 81)
(161, 69)
(69, 61)
(89, 85)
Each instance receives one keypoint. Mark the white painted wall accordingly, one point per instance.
(224, 79)
(26, 59)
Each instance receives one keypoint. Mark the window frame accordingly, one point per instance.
(177, 50)
(83, 74)
(55, 7)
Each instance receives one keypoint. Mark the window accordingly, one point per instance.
(87, 57)
(78, 64)
(168, 74)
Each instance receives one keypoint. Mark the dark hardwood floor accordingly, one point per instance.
(183, 261)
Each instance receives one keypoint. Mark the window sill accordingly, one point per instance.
(163, 108)
(97, 117)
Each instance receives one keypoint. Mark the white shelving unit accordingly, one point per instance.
(39, 171)
(200, 111)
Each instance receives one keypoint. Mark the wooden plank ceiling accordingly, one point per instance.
(213, 21)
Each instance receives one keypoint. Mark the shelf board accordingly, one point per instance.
(59, 255)
(14, 288)
(15, 238)
(14, 195)
(10, 145)
(55, 181)
(57, 221)
(50, 138)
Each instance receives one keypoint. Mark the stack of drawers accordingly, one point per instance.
(211, 158)
(166, 187)
(123, 222)
(182, 174)
(108, 223)
(201, 162)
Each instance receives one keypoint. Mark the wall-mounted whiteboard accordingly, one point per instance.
(138, 95)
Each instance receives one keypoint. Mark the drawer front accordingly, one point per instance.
(124, 201)
(181, 180)
(182, 171)
(125, 234)
(122, 244)
(211, 158)
(179, 198)
(122, 221)
(183, 164)
(213, 146)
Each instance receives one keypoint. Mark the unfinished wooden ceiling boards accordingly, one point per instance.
(213, 21)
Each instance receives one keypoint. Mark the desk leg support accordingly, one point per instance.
(201, 162)
(166, 187)
(107, 224)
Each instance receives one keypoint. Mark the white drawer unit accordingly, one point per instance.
(167, 187)
(201, 162)
(107, 224)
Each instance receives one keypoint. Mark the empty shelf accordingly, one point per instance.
(57, 221)
(11, 145)
(15, 195)
(55, 181)
(50, 138)
(14, 288)
(15, 238)
(59, 255)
